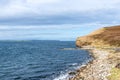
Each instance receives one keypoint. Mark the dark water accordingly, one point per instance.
(38, 60)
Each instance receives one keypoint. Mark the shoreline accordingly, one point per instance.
(97, 69)
(70, 73)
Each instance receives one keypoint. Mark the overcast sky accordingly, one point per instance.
(55, 19)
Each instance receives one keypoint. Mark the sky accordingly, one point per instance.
(55, 19)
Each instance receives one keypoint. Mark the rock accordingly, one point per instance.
(72, 73)
(118, 66)
(81, 78)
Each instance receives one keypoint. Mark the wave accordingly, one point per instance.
(62, 77)
(75, 66)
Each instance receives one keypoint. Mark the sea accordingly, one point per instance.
(40, 59)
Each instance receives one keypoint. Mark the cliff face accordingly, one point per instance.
(104, 37)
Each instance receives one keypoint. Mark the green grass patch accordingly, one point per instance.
(115, 74)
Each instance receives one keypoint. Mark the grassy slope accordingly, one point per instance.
(107, 36)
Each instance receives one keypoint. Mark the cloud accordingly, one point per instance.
(52, 7)
(72, 18)
(55, 32)
(42, 12)
(41, 19)
(48, 32)
(51, 12)
(51, 27)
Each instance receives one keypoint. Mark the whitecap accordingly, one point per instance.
(62, 77)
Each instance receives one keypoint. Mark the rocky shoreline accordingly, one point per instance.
(97, 69)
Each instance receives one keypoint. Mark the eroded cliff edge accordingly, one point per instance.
(104, 37)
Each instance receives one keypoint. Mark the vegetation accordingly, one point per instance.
(107, 36)
(115, 74)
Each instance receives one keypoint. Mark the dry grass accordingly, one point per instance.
(109, 36)
(115, 74)
(114, 57)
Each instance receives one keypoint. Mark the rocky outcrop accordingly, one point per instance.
(107, 36)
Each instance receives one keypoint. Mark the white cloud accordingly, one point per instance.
(41, 1)
(15, 8)
(55, 27)
(54, 32)
(76, 16)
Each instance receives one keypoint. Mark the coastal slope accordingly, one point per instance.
(107, 36)
(104, 46)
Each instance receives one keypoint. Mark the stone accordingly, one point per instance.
(118, 66)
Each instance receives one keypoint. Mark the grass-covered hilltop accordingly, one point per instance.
(107, 36)
(104, 45)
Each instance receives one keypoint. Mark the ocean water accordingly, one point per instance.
(39, 60)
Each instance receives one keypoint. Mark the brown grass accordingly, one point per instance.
(104, 36)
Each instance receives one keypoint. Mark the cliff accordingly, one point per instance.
(104, 37)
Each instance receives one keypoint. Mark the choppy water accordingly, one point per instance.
(39, 60)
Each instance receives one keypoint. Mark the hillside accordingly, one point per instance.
(104, 45)
(107, 36)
